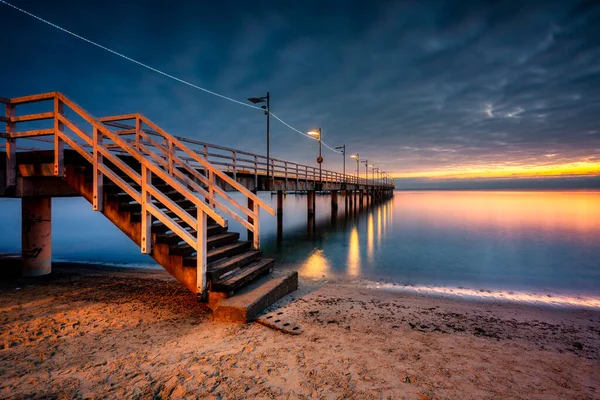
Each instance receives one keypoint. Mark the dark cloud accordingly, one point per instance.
(413, 86)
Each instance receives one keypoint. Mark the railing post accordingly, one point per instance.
(98, 195)
(11, 147)
(286, 174)
(234, 164)
(272, 183)
(255, 173)
(170, 149)
(205, 152)
(201, 236)
(59, 128)
(211, 188)
(138, 130)
(256, 224)
(146, 233)
(297, 176)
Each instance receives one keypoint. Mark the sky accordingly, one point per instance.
(441, 94)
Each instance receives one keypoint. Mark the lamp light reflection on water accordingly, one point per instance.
(370, 234)
(354, 254)
(316, 265)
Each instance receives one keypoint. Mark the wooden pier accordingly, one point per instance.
(170, 195)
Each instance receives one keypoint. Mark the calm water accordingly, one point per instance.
(526, 242)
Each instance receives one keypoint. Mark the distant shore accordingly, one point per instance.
(98, 331)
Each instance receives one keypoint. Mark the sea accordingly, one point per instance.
(531, 246)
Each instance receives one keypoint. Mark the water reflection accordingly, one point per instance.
(529, 241)
(370, 234)
(354, 254)
(316, 265)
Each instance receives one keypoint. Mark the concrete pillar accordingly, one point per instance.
(280, 202)
(334, 200)
(36, 236)
(310, 202)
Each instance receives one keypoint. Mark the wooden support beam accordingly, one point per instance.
(4, 100)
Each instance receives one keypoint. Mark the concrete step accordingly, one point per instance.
(220, 252)
(219, 268)
(248, 303)
(242, 276)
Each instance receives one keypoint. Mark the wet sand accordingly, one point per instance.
(92, 331)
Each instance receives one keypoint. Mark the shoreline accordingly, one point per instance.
(567, 299)
(109, 332)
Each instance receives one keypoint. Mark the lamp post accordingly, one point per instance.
(317, 134)
(366, 162)
(373, 173)
(356, 157)
(267, 108)
(343, 148)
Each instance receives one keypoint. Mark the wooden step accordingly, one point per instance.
(219, 268)
(220, 252)
(215, 241)
(136, 207)
(136, 216)
(243, 276)
(172, 238)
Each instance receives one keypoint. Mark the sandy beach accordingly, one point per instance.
(100, 332)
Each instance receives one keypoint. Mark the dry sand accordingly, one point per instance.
(108, 333)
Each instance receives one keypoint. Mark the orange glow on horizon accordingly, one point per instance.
(582, 168)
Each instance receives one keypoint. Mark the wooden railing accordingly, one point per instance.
(157, 161)
(192, 169)
(236, 162)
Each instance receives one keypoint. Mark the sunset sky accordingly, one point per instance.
(440, 94)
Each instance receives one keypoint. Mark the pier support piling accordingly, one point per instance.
(334, 200)
(310, 202)
(36, 236)
(280, 202)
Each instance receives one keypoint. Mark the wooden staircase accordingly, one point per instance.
(166, 199)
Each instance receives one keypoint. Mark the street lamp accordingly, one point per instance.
(343, 148)
(317, 134)
(366, 162)
(267, 108)
(356, 157)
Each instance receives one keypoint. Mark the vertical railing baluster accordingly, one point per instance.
(98, 189)
(11, 147)
(201, 236)
(59, 128)
(146, 232)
